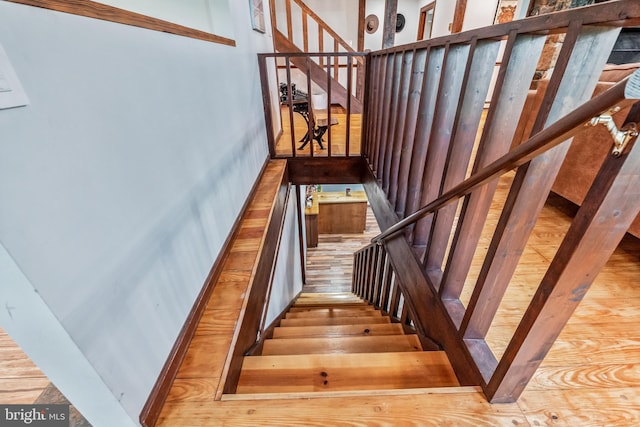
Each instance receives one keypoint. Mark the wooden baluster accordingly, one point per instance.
(329, 58)
(376, 115)
(289, 21)
(404, 316)
(477, 78)
(449, 95)
(305, 31)
(348, 115)
(377, 278)
(290, 103)
(373, 263)
(384, 115)
(607, 211)
(365, 272)
(358, 282)
(357, 285)
(518, 65)
(533, 181)
(365, 134)
(386, 284)
(387, 101)
(401, 114)
(336, 66)
(408, 134)
(360, 78)
(266, 101)
(430, 84)
(395, 298)
(312, 119)
(392, 118)
(404, 61)
(320, 46)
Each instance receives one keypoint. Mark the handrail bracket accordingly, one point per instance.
(621, 137)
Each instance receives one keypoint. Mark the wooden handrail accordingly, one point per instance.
(434, 158)
(621, 94)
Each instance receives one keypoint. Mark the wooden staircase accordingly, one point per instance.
(336, 342)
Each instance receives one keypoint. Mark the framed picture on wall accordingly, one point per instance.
(506, 11)
(257, 15)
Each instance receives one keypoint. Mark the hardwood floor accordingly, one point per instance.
(21, 381)
(338, 135)
(591, 376)
(330, 264)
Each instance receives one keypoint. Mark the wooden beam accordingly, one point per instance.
(362, 6)
(323, 170)
(389, 26)
(458, 16)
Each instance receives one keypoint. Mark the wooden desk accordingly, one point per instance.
(338, 213)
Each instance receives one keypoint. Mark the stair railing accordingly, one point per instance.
(426, 147)
(327, 40)
(296, 126)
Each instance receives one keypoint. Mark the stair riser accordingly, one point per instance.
(329, 313)
(338, 331)
(381, 344)
(334, 321)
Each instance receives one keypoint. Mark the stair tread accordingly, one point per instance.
(319, 321)
(332, 345)
(337, 330)
(305, 308)
(328, 298)
(332, 312)
(341, 372)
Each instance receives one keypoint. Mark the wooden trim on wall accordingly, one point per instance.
(91, 9)
(159, 392)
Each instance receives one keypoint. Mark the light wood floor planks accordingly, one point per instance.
(330, 264)
(338, 135)
(591, 377)
(21, 381)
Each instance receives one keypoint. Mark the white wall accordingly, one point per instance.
(479, 13)
(118, 184)
(212, 16)
(411, 11)
(287, 280)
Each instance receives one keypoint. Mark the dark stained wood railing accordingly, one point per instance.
(288, 134)
(435, 161)
(324, 40)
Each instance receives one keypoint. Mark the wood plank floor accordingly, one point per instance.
(330, 264)
(338, 135)
(591, 377)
